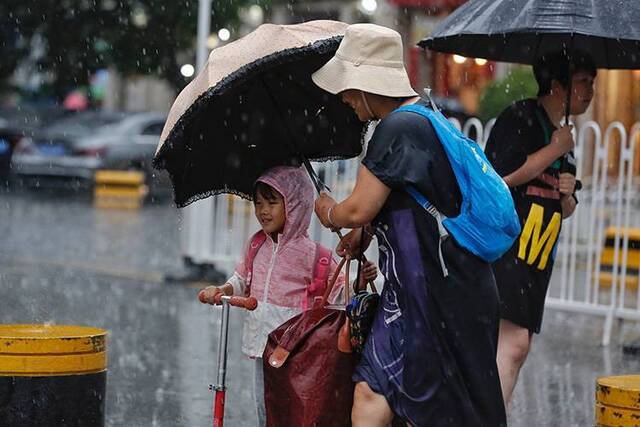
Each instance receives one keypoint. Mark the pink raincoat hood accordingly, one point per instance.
(283, 271)
(297, 190)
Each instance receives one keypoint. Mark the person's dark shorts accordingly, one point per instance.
(522, 289)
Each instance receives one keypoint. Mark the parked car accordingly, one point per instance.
(17, 123)
(72, 149)
(6, 150)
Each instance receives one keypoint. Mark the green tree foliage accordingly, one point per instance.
(518, 84)
(81, 36)
(170, 28)
(17, 25)
(71, 29)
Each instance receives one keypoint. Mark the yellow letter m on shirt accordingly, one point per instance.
(531, 234)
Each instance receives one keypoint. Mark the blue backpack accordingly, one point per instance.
(487, 224)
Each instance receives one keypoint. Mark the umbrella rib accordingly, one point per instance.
(504, 44)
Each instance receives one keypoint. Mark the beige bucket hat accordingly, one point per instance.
(370, 58)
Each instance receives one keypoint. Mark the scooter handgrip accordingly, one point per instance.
(249, 303)
(217, 299)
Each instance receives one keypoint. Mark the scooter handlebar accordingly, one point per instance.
(248, 303)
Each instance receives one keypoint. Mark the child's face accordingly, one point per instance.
(270, 213)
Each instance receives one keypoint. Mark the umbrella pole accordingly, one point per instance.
(567, 108)
(571, 66)
(317, 182)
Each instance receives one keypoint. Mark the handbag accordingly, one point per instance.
(361, 310)
(308, 365)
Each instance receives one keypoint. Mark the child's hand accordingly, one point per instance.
(368, 273)
(562, 139)
(567, 183)
(209, 294)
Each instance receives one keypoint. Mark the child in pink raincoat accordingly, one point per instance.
(283, 272)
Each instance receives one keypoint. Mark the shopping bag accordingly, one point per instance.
(307, 377)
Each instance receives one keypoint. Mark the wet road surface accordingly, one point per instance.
(64, 262)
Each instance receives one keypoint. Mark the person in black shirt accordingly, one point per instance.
(430, 357)
(527, 147)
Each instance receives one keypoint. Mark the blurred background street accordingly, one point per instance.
(89, 234)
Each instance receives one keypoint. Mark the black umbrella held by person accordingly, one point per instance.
(525, 31)
(254, 107)
(522, 31)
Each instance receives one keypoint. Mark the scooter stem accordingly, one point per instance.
(219, 388)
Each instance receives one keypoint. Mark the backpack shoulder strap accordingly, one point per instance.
(430, 115)
(321, 270)
(427, 206)
(422, 201)
(256, 242)
(415, 108)
(439, 122)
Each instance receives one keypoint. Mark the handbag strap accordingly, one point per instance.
(356, 285)
(361, 258)
(347, 297)
(334, 278)
(346, 260)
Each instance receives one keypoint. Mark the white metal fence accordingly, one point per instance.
(606, 163)
(608, 199)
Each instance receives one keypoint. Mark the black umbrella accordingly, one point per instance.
(254, 106)
(524, 30)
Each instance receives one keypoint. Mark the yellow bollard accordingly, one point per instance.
(633, 257)
(52, 375)
(119, 189)
(618, 401)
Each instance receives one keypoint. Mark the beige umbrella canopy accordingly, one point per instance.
(254, 106)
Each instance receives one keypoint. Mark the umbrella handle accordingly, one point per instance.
(320, 186)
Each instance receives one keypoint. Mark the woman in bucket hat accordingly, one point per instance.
(429, 359)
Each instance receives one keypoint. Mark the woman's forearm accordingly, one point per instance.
(364, 203)
(351, 214)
